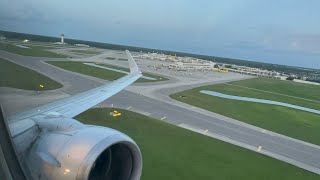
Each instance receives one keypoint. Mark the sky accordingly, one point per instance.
(275, 31)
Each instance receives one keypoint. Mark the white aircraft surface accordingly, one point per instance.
(50, 144)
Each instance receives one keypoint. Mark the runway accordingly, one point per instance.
(290, 150)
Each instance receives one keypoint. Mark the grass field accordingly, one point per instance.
(97, 72)
(41, 47)
(86, 52)
(171, 153)
(284, 87)
(287, 91)
(110, 58)
(32, 51)
(49, 46)
(294, 123)
(122, 59)
(16, 76)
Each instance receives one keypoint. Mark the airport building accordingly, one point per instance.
(61, 40)
(253, 71)
(192, 66)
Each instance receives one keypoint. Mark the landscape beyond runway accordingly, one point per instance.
(287, 149)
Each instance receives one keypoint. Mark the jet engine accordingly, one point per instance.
(66, 149)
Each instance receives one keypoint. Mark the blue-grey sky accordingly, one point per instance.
(275, 31)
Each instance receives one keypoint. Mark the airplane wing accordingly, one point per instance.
(74, 105)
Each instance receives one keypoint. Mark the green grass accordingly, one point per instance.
(16, 76)
(32, 51)
(291, 88)
(86, 52)
(291, 122)
(122, 59)
(110, 58)
(93, 71)
(171, 153)
(42, 47)
(272, 89)
(284, 87)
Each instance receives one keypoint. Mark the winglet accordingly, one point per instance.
(132, 64)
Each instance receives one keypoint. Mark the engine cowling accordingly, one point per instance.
(66, 149)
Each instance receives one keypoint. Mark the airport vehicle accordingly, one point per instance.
(50, 144)
(222, 70)
(115, 113)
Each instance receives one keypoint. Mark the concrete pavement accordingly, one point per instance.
(155, 103)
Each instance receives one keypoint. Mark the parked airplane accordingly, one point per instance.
(49, 144)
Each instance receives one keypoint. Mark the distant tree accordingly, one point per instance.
(317, 80)
(290, 78)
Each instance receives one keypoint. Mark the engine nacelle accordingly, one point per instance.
(66, 149)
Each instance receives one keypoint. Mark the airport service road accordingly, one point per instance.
(286, 149)
(71, 83)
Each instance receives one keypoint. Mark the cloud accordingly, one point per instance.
(14, 10)
(246, 29)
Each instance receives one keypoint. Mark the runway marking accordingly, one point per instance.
(205, 131)
(129, 107)
(259, 148)
(163, 118)
(142, 112)
(252, 148)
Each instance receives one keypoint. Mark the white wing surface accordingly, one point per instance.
(74, 105)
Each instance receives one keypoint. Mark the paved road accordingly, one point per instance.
(293, 151)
